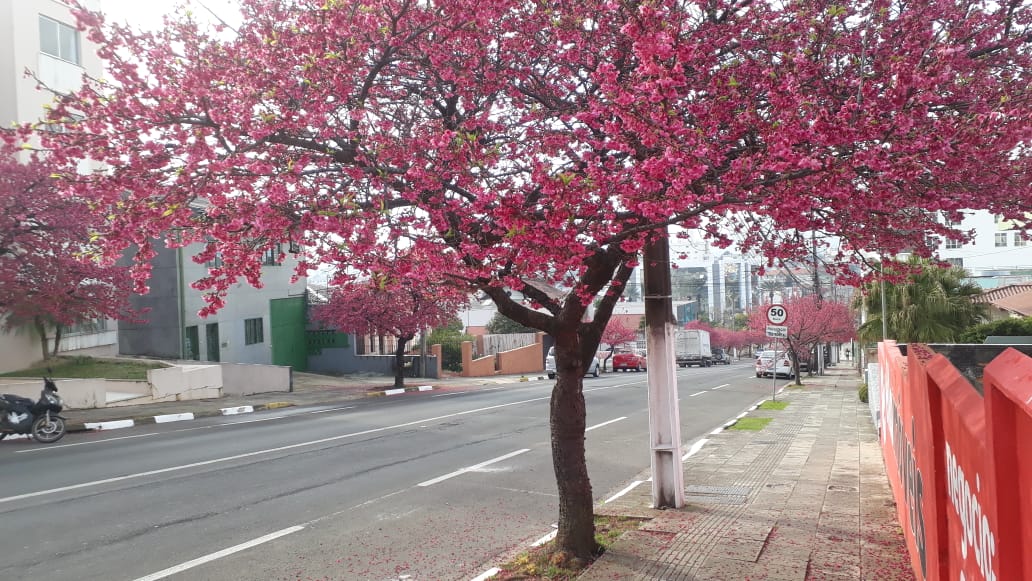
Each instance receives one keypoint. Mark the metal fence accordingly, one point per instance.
(497, 343)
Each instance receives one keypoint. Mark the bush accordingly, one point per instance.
(1003, 328)
(450, 338)
(862, 392)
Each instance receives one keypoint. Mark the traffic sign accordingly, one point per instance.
(777, 331)
(776, 314)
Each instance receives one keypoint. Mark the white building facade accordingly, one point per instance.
(41, 36)
(998, 254)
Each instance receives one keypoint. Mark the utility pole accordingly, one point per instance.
(664, 414)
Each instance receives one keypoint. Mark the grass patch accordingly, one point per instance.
(545, 562)
(750, 424)
(88, 367)
(773, 405)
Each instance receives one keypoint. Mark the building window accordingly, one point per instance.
(953, 244)
(1001, 239)
(215, 262)
(1019, 240)
(253, 332)
(271, 255)
(87, 327)
(958, 262)
(59, 40)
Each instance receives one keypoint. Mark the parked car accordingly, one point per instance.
(629, 361)
(721, 356)
(593, 367)
(765, 364)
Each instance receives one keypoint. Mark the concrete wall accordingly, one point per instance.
(343, 360)
(243, 379)
(159, 336)
(482, 367)
(76, 393)
(182, 379)
(529, 359)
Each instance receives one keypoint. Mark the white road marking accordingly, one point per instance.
(696, 393)
(219, 554)
(545, 538)
(268, 450)
(487, 574)
(605, 423)
(243, 409)
(332, 410)
(720, 386)
(112, 425)
(462, 471)
(695, 448)
(623, 492)
(164, 419)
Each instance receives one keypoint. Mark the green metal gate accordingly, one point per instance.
(287, 322)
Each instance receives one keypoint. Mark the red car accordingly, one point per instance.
(628, 361)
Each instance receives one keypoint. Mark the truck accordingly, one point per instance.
(692, 347)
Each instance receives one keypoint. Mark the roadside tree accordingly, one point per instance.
(617, 335)
(502, 325)
(923, 302)
(50, 277)
(517, 142)
(811, 322)
(397, 307)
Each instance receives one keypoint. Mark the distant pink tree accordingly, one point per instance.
(617, 334)
(401, 308)
(50, 273)
(811, 321)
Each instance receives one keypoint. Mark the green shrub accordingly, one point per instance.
(862, 392)
(1003, 328)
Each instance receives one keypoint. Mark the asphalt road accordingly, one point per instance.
(424, 486)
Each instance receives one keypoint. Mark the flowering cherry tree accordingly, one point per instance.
(400, 308)
(517, 142)
(49, 275)
(811, 321)
(617, 334)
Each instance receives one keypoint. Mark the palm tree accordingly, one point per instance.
(932, 304)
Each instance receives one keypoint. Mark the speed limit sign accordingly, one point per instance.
(776, 314)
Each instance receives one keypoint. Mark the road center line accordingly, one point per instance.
(696, 393)
(461, 471)
(219, 554)
(262, 452)
(720, 386)
(605, 423)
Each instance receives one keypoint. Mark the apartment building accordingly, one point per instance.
(997, 255)
(40, 36)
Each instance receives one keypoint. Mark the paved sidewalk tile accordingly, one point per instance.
(804, 499)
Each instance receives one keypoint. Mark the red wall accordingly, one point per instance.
(960, 464)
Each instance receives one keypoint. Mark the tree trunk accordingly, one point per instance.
(399, 361)
(567, 419)
(41, 329)
(58, 328)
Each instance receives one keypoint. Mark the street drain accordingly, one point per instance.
(837, 488)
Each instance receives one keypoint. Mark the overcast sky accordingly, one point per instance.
(147, 14)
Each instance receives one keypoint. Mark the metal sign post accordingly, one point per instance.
(776, 316)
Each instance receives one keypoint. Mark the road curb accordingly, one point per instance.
(139, 420)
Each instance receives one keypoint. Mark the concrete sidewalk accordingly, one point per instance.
(805, 498)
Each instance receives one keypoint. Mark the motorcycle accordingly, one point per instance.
(39, 419)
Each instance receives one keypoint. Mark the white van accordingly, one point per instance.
(593, 368)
